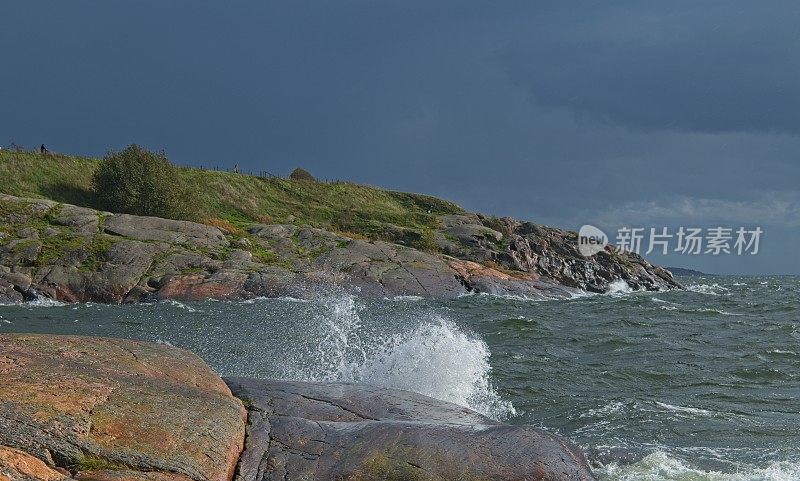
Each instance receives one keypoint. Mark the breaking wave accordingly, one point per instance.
(710, 289)
(660, 466)
(619, 287)
(179, 305)
(431, 356)
(41, 301)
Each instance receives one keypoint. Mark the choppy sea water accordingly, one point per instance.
(701, 384)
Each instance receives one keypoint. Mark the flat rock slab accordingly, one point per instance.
(165, 230)
(115, 409)
(335, 431)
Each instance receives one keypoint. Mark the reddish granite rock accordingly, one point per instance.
(16, 465)
(111, 475)
(223, 285)
(92, 406)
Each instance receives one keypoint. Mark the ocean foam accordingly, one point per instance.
(710, 289)
(179, 305)
(619, 287)
(684, 409)
(434, 358)
(660, 466)
(43, 302)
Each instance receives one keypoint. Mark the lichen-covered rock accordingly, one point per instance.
(165, 230)
(76, 254)
(391, 269)
(334, 431)
(81, 219)
(102, 407)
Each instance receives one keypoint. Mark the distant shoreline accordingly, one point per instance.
(682, 271)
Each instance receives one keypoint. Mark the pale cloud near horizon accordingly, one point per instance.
(780, 209)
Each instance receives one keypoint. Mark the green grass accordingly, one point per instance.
(98, 252)
(241, 199)
(92, 462)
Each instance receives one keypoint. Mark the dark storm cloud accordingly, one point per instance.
(694, 66)
(560, 112)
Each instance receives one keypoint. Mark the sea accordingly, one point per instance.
(700, 384)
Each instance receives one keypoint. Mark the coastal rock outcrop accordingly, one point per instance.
(95, 409)
(333, 431)
(76, 254)
(113, 409)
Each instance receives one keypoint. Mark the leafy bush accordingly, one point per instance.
(137, 181)
(426, 241)
(301, 174)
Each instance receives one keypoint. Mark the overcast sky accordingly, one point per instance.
(607, 112)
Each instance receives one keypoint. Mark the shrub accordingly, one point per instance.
(301, 174)
(137, 181)
(426, 241)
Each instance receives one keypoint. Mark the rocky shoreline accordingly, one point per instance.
(76, 254)
(95, 409)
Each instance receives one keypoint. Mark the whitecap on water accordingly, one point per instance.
(179, 305)
(518, 297)
(712, 310)
(260, 299)
(660, 466)
(684, 409)
(610, 408)
(710, 289)
(782, 352)
(579, 294)
(405, 298)
(665, 305)
(292, 299)
(44, 302)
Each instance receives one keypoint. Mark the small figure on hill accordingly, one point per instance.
(43, 150)
(235, 168)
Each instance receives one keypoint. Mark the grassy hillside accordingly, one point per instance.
(239, 200)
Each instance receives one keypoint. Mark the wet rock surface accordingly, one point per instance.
(94, 409)
(76, 254)
(327, 431)
(113, 409)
